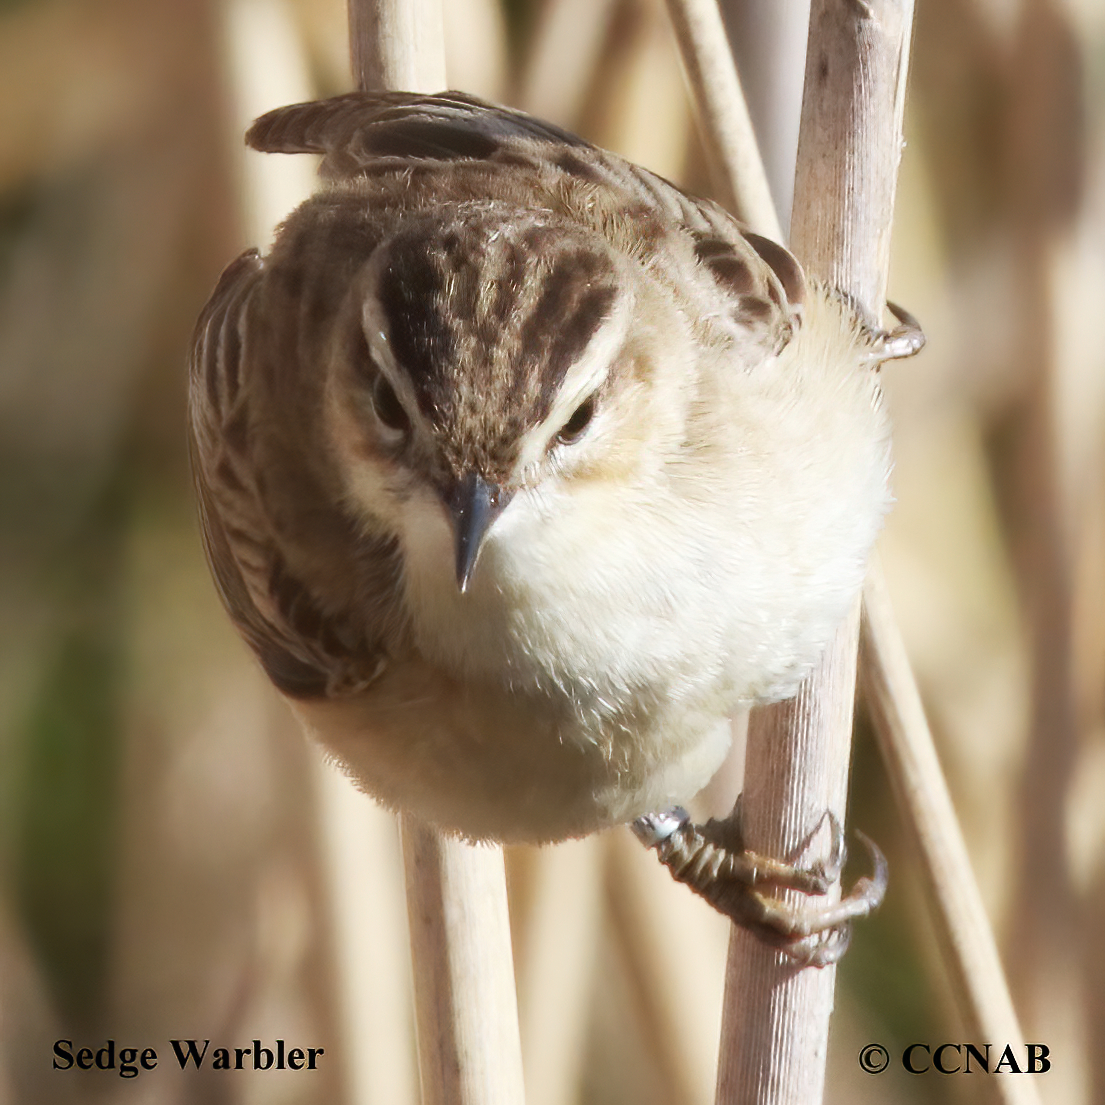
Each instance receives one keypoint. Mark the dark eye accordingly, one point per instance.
(572, 430)
(387, 406)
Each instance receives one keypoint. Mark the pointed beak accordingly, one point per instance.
(473, 506)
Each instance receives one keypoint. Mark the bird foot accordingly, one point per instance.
(712, 860)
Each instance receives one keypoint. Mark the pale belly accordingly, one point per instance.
(488, 764)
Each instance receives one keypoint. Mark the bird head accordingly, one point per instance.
(482, 357)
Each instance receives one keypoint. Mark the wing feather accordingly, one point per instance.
(359, 131)
(360, 127)
(300, 650)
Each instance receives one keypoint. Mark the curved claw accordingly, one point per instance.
(826, 945)
(871, 889)
(905, 340)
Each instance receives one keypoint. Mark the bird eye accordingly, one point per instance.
(572, 430)
(387, 406)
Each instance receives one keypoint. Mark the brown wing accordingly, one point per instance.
(301, 651)
(759, 282)
(359, 128)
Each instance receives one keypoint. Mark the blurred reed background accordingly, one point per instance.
(175, 862)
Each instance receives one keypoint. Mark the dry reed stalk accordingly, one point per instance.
(922, 795)
(558, 925)
(775, 1023)
(372, 983)
(397, 44)
(904, 736)
(564, 54)
(769, 49)
(466, 1010)
(1046, 151)
(775, 1018)
(731, 142)
(675, 985)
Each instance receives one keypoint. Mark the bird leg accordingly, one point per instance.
(711, 859)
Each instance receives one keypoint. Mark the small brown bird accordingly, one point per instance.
(520, 470)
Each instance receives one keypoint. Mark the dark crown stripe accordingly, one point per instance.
(565, 317)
